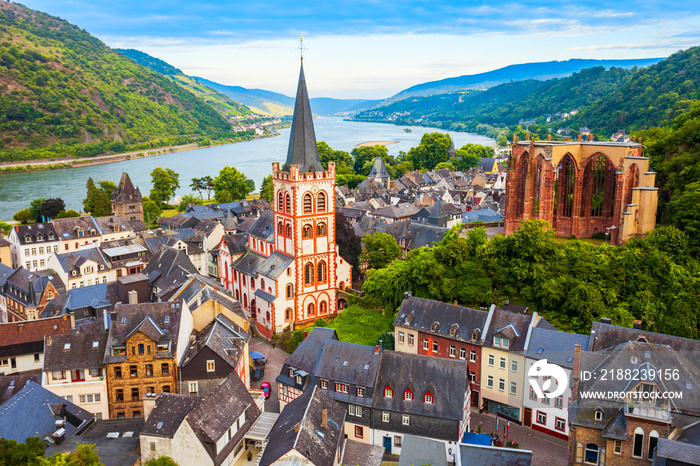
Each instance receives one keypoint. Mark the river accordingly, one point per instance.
(253, 158)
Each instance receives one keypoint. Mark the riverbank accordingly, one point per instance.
(70, 162)
(375, 143)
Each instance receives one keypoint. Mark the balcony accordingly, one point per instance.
(656, 413)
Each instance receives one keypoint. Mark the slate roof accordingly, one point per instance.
(130, 317)
(10, 385)
(202, 212)
(501, 319)
(446, 379)
(223, 337)
(455, 322)
(555, 346)
(378, 169)
(678, 452)
(421, 450)
(314, 442)
(125, 191)
(46, 230)
(425, 235)
(264, 227)
(303, 150)
(72, 261)
(112, 224)
(348, 363)
(169, 269)
(608, 335)
(494, 456)
(28, 336)
(236, 243)
(246, 224)
(69, 228)
(359, 453)
(211, 418)
(35, 410)
(181, 220)
(397, 211)
(169, 412)
(482, 215)
(307, 354)
(94, 296)
(5, 272)
(254, 263)
(74, 351)
(487, 163)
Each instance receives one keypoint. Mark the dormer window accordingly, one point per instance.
(496, 341)
(505, 343)
(324, 384)
(598, 414)
(40, 237)
(291, 372)
(408, 395)
(428, 398)
(27, 239)
(360, 392)
(434, 326)
(453, 329)
(51, 237)
(388, 392)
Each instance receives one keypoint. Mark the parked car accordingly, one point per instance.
(266, 389)
(258, 358)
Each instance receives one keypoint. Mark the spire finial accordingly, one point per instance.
(301, 48)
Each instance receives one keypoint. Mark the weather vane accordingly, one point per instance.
(301, 48)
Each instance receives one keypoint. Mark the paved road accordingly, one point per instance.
(546, 450)
(275, 359)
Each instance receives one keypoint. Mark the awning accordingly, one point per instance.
(262, 427)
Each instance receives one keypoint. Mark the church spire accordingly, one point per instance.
(302, 141)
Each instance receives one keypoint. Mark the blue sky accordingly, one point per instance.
(375, 48)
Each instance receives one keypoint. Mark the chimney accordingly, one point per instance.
(376, 349)
(48, 340)
(72, 319)
(20, 327)
(65, 317)
(580, 138)
(149, 403)
(324, 418)
(576, 371)
(407, 294)
(305, 334)
(133, 297)
(605, 320)
(455, 303)
(637, 325)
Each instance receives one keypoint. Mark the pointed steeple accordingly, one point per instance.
(302, 141)
(452, 152)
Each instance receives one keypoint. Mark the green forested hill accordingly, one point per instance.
(653, 97)
(63, 92)
(607, 100)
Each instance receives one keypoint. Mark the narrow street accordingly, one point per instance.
(275, 358)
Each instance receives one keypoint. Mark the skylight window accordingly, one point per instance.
(159, 425)
(167, 319)
(539, 350)
(66, 346)
(95, 344)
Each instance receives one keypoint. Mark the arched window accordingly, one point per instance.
(288, 314)
(280, 228)
(341, 285)
(309, 273)
(252, 283)
(310, 310)
(288, 203)
(322, 307)
(290, 291)
(591, 453)
(307, 232)
(289, 231)
(632, 182)
(262, 284)
(238, 296)
(653, 441)
(307, 203)
(280, 202)
(321, 229)
(321, 272)
(321, 202)
(638, 442)
(245, 301)
(267, 317)
(564, 187)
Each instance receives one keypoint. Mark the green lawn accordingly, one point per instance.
(359, 325)
(596, 242)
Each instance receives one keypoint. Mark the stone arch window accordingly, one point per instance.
(521, 183)
(341, 286)
(308, 203)
(289, 230)
(591, 454)
(564, 187)
(238, 296)
(307, 232)
(280, 228)
(321, 272)
(245, 301)
(290, 291)
(321, 202)
(309, 273)
(653, 441)
(321, 229)
(638, 446)
(253, 309)
(280, 202)
(598, 193)
(262, 284)
(288, 204)
(322, 307)
(288, 314)
(311, 310)
(632, 182)
(537, 187)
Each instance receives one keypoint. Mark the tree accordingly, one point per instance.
(202, 184)
(186, 200)
(502, 140)
(98, 201)
(5, 228)
(447, 165)
(165, 184)
(231, 185)
(84, 455)
(52, 207)
(386, 341)
(685, 206)
(161, 461)
(13, 452)
(68, 214)
(327, 154)
(35, 208)
(380, 249)
(349, 244)
(151, 211)
(266, 191)
(23, 216)
(364, 154)
(433, 149)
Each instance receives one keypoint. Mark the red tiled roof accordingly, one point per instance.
(15, 333)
